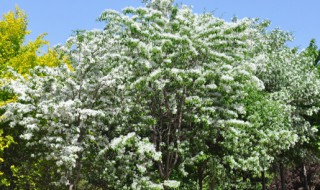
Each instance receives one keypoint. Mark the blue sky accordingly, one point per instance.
(60, 17)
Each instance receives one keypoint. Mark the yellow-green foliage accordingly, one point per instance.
(12, 33)
(4, 143)
(14, 53)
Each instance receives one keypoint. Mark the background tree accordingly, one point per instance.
(291, 77)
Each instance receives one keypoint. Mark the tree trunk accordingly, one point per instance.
(282, 177)
(305, 177)
(200, 177)
(263, 180)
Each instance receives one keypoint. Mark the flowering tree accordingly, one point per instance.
(71, 113)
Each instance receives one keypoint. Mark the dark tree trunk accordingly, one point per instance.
(200, 177)
(282, 177)
(263, 180)
(305, 177)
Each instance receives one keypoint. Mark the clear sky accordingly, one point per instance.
(60, 17)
